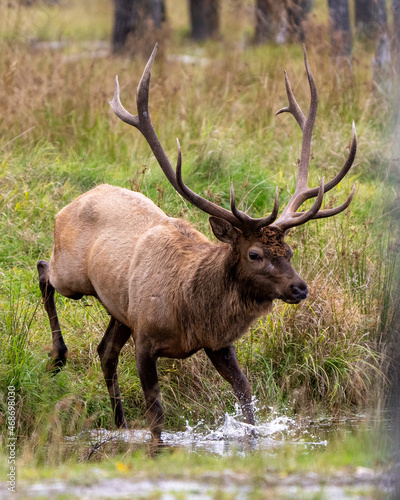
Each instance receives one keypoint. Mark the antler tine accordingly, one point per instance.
(289, 217)
(306, 125)
(236, 217)
(266, 221)
(331, 211)
(301, 183)
(119, 110)
(142, 93)
(295, 202)
(293, 107)
(142, 97)
(289, 220)
(142, 121)
(346, 167)
(334, 211)
(252, 225)
(236, 212)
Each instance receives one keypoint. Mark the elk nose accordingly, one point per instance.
(299, 291)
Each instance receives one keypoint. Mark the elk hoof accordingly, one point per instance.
(57, 362)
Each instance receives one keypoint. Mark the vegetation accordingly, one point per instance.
(59, 138)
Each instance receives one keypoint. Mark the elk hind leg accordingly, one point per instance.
(109, 348)
(58, 353)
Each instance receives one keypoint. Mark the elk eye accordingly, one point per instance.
(254, 255)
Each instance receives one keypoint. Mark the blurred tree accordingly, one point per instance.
(341, 37)
(204, 18)
(297, 11)
(396, 34)
(382, 65)
(382, 16)
(133, 17)
(370, 17)
(265, 20)
(281, 19)
(365, 16)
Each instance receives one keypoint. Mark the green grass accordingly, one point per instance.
(59, 138)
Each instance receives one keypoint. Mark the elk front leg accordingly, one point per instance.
(109, 348)
(226, 363)
(147, 369)
(59, 351)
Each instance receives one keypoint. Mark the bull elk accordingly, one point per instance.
(165, 283)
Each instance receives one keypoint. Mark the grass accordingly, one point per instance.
(59, 138)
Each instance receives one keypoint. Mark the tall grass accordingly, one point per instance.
(59, 138)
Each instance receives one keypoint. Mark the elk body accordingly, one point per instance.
(165, 283)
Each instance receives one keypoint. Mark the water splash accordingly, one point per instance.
(232, 435)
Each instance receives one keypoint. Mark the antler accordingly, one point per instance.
(143, 123)
(290, 217)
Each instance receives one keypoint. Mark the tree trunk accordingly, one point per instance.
(264, 21)
(382, 16)
(124, 23)
(341, 37)
(133, 16)
(396, 34)
(297, 11)
(204, 19)
(370, 17)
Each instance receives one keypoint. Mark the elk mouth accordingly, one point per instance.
(293, 301)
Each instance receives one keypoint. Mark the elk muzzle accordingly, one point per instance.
(296, 292)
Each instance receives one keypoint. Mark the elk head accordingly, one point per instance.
(262, 256)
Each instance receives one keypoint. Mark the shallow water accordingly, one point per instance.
(233, 435)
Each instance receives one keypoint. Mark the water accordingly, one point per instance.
(271, 435)
(234, 436)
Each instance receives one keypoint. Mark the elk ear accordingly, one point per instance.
(224, 230)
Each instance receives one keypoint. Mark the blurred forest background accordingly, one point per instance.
(279, 21)
(273, 21)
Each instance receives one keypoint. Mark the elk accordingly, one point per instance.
(163, 282)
